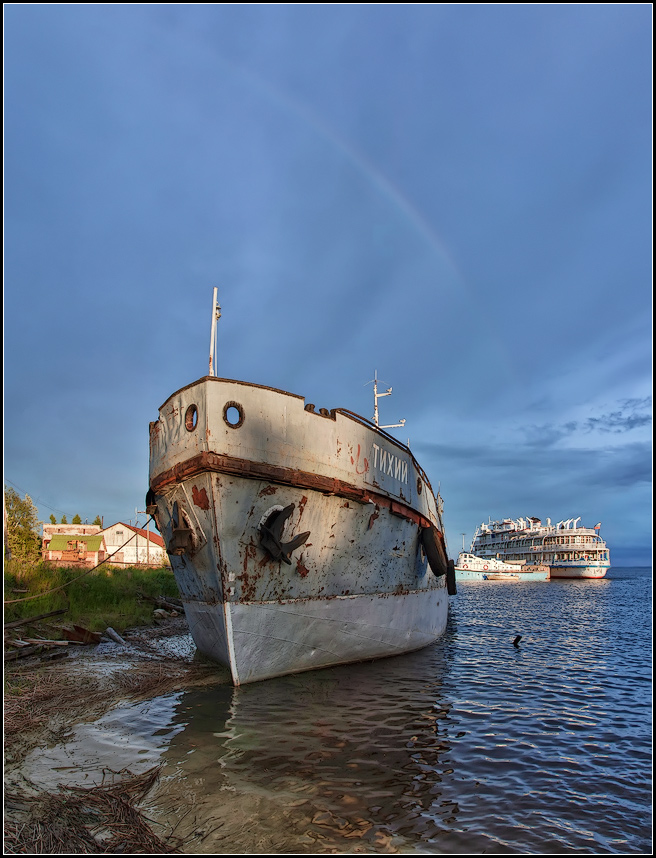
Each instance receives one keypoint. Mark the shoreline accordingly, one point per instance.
(45, 702)
(145, 813)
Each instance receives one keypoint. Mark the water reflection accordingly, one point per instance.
(131, 736)
(318, 761)
(469, 745)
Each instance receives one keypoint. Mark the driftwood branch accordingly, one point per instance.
(26, 620)
(109, 631)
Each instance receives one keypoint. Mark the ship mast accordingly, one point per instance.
(376, 398)
(216, 315)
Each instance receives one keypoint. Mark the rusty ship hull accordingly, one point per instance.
(299, 538)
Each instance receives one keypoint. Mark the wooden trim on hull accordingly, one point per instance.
(216, 463)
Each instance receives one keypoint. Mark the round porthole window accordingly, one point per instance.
(233, 414)
(191, 418)
(419, 485)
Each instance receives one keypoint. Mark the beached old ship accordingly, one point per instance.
(299, 537)
(568, 550)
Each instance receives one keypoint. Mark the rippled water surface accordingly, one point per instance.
(470, 745)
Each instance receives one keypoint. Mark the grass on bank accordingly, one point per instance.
(108, 596)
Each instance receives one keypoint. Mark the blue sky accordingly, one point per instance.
(456, 196)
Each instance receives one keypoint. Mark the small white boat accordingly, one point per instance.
(500, 576)
(472, 568)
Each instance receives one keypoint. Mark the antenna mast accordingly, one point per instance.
(216, 315)
(376, 398)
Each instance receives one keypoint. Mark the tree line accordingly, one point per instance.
(75, 520)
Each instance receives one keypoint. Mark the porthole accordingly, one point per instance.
(233, 414)
(419, 485)
(191, 418)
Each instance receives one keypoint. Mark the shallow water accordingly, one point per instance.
(470, 745)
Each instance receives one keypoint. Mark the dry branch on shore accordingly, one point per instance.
(17, 647)
(101, 820)
(28, 620)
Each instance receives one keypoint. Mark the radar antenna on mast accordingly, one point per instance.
(376, 398)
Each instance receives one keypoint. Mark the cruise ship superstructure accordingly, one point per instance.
(569, 550)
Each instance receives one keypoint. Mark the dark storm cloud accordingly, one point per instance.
(481, 481)
(511, 465)
(547, 435)
(631, 416)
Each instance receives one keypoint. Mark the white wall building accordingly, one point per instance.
(134, 546)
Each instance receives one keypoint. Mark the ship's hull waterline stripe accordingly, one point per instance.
(234, 466)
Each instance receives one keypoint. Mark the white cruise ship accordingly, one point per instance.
(570, 551)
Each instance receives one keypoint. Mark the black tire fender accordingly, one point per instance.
(433, 544)
(451, 578)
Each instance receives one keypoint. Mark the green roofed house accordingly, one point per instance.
(75, 549)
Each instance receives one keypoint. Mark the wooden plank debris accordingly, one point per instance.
(22, 653)
(78, 634)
